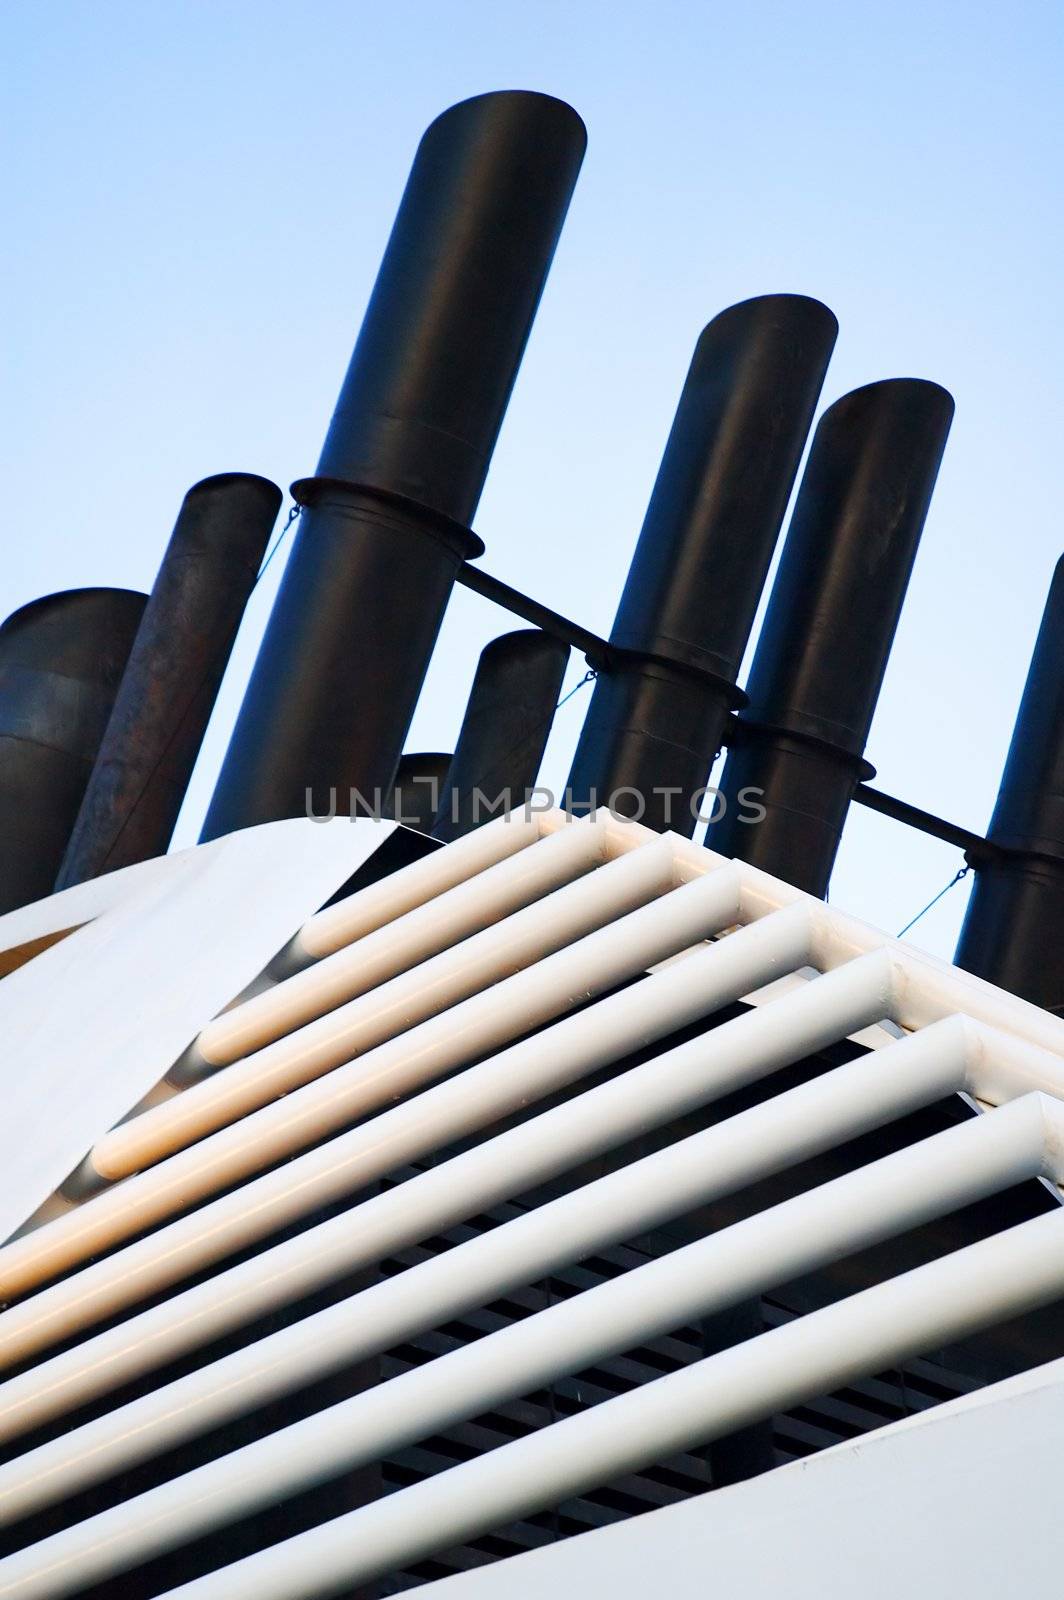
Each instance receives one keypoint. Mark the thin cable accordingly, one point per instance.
(963, 873)
(589, 676)
(277, 543)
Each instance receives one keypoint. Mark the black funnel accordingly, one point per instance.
(1013, 931)
(385, 528)
(504, 731)
(419, 787)
(61, 661)
(830, 625)
(658, 715)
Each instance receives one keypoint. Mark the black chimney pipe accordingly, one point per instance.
(419, 786)
(386, 521)
(831, 621)
(658, 714)
(504, 731)
(1013, 930)
(173, 675)
(61, 661)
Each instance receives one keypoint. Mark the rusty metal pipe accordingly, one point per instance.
(175, 669)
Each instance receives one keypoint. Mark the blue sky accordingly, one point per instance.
(201, 193)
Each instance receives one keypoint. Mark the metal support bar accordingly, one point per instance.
(601, 655)
(596, 650)
(977, 849)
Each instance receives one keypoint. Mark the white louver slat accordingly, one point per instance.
(521, 965)
(134, 966)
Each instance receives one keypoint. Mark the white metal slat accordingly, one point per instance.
(626, 1203)
(872, 979)
(549, 988)
(997, 1278)
(691, 1075)
(277, 1130)
(341, 1034)
(94, 1021)
(654, 1094)
(438, 924)
(939, 1175)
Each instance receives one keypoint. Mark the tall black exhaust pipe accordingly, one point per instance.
(1013, 930)
(61, 661)
(658, 715)
(173, 676)
(830, 625)
(386, 517)
(504, 731)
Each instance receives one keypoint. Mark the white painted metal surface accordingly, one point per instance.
(378, 950)
(1022, 1140)
(332, 1018)
(94, 1021)
(1012, 1272)
(960, 1500)
(504, 969)
(510, 1007)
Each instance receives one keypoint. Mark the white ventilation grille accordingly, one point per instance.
(513, 968)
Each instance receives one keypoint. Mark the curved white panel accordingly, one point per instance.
(91, 1024)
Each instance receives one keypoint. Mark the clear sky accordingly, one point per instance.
(200, 191)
